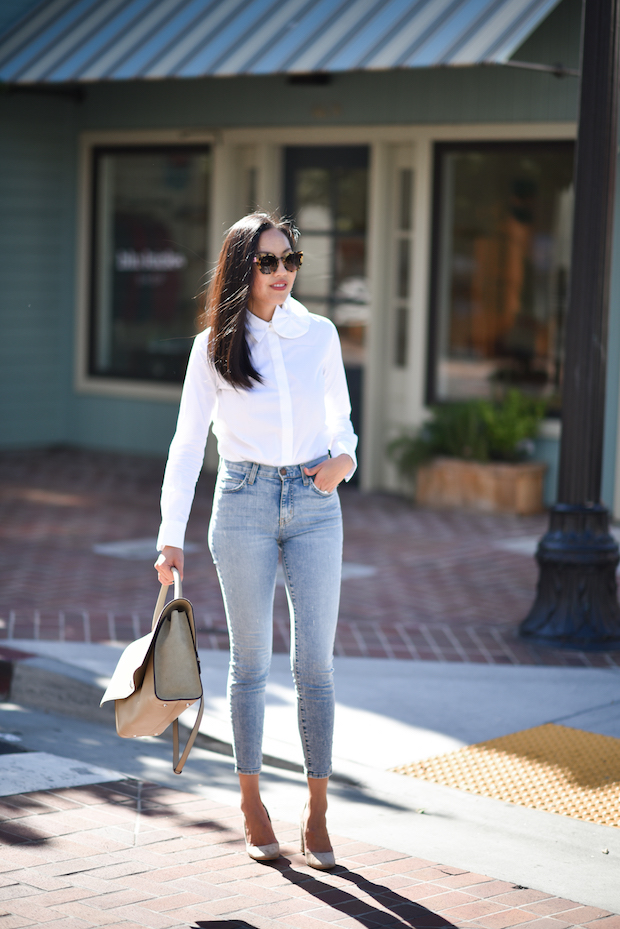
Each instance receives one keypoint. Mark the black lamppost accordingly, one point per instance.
(576, 602)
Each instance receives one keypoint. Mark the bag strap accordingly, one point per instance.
(177, 764)
(161, 599)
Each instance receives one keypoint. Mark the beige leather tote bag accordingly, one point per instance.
(158, 676)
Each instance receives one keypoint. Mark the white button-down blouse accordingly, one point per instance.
(299, 411)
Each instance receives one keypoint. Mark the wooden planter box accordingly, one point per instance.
(491, 488)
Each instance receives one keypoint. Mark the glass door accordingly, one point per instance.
(327, 194)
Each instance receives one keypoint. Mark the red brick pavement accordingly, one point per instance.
(442, 590)
(135, 855)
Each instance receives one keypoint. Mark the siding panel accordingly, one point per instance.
(441, 95)
(37, 168)
(122, 425)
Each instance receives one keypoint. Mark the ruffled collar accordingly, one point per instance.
(290, 320)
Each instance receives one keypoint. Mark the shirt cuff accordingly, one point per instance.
(344, 448)
(171, 533)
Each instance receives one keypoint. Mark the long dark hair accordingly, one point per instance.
(228, 294)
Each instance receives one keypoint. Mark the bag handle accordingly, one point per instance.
(177, 765)
(163, 593)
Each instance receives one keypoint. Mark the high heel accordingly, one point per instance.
(322, 861)
(262, 852)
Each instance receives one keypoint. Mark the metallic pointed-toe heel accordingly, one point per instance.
(322, 861)
(262, 852)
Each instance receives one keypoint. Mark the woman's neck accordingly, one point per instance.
(262, 310)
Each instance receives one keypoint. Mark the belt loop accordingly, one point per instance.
(305, 478)
(253, 473)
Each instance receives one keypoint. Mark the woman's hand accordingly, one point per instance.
(329, 473)
(169, 558)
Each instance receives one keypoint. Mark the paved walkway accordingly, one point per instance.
(420, 584)
(128, 855)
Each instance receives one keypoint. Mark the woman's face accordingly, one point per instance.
(270, 290)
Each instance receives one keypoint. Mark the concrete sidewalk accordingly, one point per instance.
(388, 713)
(428, 659)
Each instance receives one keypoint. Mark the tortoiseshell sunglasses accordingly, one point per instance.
(269, 263)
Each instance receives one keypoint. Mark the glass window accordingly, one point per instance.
(503, 218)
(151, 213)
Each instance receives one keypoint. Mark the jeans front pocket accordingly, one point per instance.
(230, 482)
(321, 493)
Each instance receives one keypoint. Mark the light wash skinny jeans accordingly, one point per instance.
(259, 511)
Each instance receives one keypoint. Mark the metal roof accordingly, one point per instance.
(94, 40)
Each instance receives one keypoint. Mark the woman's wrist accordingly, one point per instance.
(170, 557)
(346, 463)
(350, 462)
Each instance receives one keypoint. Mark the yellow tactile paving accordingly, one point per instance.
(550, 767)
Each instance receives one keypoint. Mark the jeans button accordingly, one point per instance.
(283, 472)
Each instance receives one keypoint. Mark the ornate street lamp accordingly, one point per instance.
(577, 601)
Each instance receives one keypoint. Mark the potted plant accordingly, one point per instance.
(475, 454)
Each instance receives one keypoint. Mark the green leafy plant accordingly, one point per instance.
(510, 424)
(478, 430)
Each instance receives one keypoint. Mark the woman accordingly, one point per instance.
(269, 375)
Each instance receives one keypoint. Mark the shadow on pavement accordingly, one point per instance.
(223, 924)
(405, 912)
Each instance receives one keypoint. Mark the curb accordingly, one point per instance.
(55, 692)
(52, 686)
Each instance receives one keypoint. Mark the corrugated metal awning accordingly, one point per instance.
(95, 40)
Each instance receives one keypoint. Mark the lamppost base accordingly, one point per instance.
(576, 603)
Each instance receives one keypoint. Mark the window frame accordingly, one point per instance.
(90, 144)
(434, 284)
(328, 156)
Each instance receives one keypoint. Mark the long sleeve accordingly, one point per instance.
(338, 405)
(187, 449)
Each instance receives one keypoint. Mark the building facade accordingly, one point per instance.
(434, 205)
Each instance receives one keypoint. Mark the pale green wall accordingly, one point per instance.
(37, 244)
(441, 95)
(122, 425)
